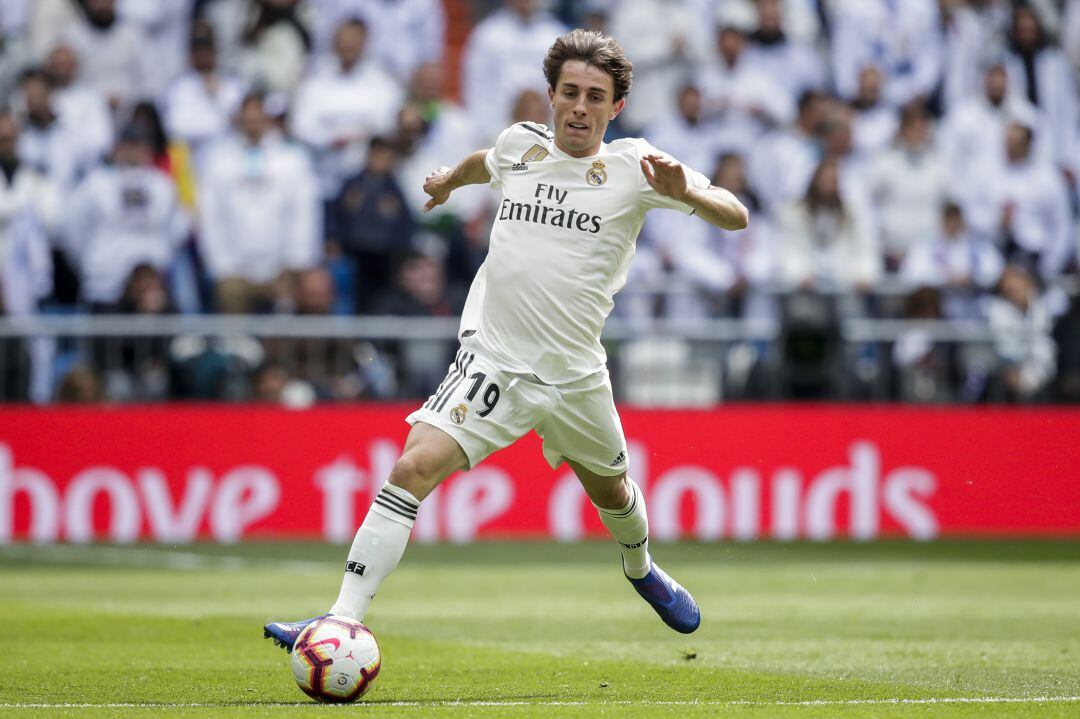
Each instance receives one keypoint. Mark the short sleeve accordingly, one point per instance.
(491, 160)
(651, 199)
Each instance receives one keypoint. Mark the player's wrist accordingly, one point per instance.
(688, 194)
(453, 180)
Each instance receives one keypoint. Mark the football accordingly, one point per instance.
(336, 660)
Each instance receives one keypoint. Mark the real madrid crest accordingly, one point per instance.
(457, 414)
(596, 175)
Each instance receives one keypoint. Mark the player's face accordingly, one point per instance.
(584, 104)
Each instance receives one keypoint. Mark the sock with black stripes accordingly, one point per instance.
(376, 550)
(630, 528)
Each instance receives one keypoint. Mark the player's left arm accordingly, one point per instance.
(715, 205)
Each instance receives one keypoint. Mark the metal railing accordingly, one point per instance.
(366, 327)
(653, 361)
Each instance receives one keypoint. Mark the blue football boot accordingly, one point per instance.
(673, 603)
(284, 634)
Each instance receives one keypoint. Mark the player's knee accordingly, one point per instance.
(414, 475)
(407, 470)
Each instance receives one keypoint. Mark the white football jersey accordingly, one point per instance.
(560, 249)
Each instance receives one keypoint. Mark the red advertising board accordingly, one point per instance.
(175, 474)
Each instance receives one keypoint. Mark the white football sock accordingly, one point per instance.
(376, 549)
(630, 528)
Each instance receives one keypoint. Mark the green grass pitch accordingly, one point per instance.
(950, 629)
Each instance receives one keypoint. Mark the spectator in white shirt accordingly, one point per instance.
(1070, 32)
(723, 271)
(327, 16)
(683, 132)
(25, 279)
(921, 366)
(79, 105)
(432, 130)
(14, 45)
(738, 95)
(260, 214)
(503, 56)
(29, 208)
(27, 203)
(907, 185)
(230, 19)
(875, 123)
(111, 52)
(200, 105)
(974, 35)
(166, 27)
(1022, 324)
(961, 262)
(52, 147)
(801, 18)
(343, 105)
(973, 132)
(1024, 204)
(49, 21)
(405, 34)
(838, 140)
(26, 268)
(793, 65)
(666, 39)
(782, 163)
(902, 37)
(1039, 71)
(825, 240)
(120, 216)
(15, 18)
(274, 46)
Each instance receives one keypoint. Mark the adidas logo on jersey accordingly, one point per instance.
(533, 154)
(619, 460)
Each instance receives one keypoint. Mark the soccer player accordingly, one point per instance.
(530, 356)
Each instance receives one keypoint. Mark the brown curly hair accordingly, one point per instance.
(592, 48)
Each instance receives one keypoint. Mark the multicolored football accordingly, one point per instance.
(335, 660)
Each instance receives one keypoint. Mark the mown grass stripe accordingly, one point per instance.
(556, 703)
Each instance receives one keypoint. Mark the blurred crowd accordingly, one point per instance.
(901, 159)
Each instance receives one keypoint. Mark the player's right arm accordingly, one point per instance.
(442, 181)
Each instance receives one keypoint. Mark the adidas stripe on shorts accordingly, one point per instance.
(485, 409)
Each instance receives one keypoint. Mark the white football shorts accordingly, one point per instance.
(485, 409)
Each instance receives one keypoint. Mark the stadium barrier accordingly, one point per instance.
(690, 362)
(780, 472)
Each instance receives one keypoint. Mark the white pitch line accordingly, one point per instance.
(493, 703)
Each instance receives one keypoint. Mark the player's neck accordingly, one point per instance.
(594, 150)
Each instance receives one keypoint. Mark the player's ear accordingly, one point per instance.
(551, 96)
(617, 108)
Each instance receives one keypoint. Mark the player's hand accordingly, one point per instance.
(438, 185)
(665, 175)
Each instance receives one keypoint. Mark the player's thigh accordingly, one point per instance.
(429, 457)
(481, 408)
(584, 427)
